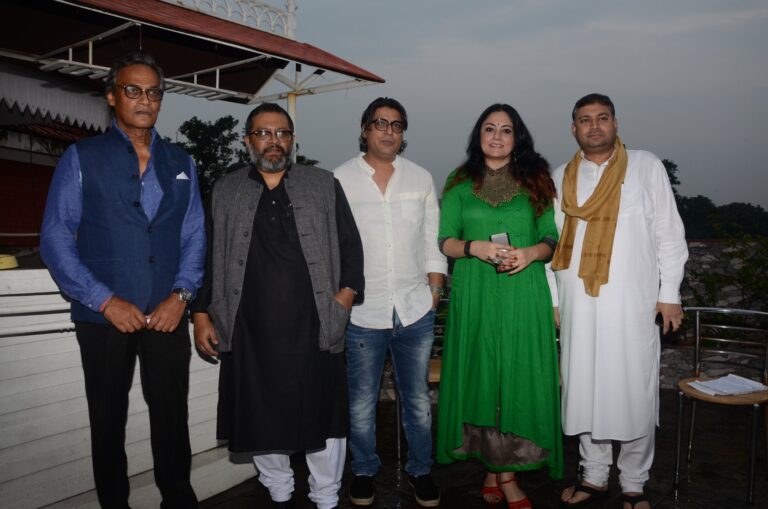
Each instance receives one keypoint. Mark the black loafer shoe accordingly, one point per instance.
(425, 490)
(288, 504)
(361, 492)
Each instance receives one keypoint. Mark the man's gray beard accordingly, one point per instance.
(263, 164)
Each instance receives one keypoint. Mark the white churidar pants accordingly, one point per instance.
(326, 468)
(635, 459)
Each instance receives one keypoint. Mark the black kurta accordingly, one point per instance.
(277, 390)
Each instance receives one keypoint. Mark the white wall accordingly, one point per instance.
(45, 439)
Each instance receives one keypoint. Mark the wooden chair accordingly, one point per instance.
(722, 336)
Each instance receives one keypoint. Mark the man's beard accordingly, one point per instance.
(266, 165)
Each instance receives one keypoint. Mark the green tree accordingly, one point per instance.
(737, 219)
(672, 170)
(213, 147)
(698, 214)
(306, 161)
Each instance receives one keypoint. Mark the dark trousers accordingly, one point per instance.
(109, 359)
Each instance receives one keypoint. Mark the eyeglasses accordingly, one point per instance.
(265, 134)
(154, 94)
(381, 124)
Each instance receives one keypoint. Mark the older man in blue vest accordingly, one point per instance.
(124, 237)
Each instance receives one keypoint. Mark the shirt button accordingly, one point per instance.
(245, 234)
(136, 204)
(151, 259)
(149, 229)
(240, 262)
(236, 291)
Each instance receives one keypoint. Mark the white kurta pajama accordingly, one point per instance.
(610, 343)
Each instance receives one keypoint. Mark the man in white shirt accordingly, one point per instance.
(619, 263)
(395, 207)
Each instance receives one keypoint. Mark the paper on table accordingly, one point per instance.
(728, 385)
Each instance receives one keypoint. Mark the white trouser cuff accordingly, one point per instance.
(275, 474)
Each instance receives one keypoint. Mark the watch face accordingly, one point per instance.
(184, 294)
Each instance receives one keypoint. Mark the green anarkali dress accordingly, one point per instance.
(499, 391)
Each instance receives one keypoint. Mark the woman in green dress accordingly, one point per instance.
(499, 390)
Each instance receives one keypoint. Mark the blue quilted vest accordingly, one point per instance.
(136, 258)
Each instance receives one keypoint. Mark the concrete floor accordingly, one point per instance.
(718, 475)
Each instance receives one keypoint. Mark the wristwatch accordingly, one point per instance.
(184, 294)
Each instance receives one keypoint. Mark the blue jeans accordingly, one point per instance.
(366, 351)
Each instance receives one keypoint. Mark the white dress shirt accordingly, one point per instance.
(399, 233)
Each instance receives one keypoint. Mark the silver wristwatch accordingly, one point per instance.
(184, 294)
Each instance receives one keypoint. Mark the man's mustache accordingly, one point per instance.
(274, 146)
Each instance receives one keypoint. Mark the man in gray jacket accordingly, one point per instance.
(284, 269)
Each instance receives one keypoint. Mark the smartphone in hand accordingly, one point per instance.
(499, 238)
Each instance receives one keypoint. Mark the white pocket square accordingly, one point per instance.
(182, 176)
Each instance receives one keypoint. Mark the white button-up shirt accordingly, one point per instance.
(399, 233)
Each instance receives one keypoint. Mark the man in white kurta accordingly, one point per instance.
(610, 343)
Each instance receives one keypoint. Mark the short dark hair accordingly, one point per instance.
(266, 108)
(367, 118)
(135, 58)
(593, 99)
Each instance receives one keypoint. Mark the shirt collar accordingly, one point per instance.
(362, 163)
(153, 133)
(604, 163)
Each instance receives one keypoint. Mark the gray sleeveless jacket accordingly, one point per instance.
(235, 198)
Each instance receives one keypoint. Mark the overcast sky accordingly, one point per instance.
(689, 79)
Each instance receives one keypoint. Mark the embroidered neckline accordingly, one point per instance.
(498, 186)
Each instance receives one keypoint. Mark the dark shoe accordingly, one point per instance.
(361, 491)
(288, 504)
(425, 491)
(633, 500)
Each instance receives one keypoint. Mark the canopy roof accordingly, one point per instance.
(52, 96)
(201, 55)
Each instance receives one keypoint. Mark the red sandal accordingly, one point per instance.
(492, 495)
(523, 503)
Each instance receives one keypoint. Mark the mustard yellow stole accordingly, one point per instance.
(600, 211)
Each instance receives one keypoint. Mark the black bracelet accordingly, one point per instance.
(467, 244)
(552, 243)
